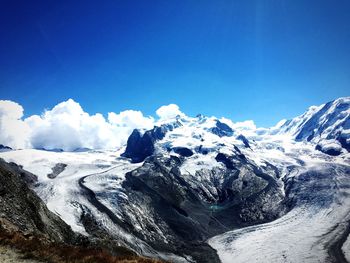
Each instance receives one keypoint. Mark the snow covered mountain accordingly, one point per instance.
(328, 126)
(202, 189)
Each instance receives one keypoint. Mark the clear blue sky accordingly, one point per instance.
(263, 60)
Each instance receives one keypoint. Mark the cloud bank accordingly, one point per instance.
(68, 127)
(169, 112)
(14, 131)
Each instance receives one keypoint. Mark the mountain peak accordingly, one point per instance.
(327, 125)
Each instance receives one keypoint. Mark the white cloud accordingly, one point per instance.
(10, 109)
(130, 118)
(168, 112)
(14, 132)
(68, 127)
(247, 128)
(244, 125)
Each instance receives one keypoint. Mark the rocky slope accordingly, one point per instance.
(29, 231)
(9, 255)
(23, 210)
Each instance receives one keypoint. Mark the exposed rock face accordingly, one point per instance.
(220, 157)
(183, 151)
(139, 146)
(202, 150)
(57, 150)
(5, 148)
(56, 170)
(20, 206)
(179, 213)
(29, 178)
(329, 151)
(244, 140)
(221, 129)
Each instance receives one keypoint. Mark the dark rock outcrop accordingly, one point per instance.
(220, 157)
(5, 148)
(244, 140)
(56, 170)
(221, 129)
(29, 178)
(139, 146)
(20, 206)
(202, 150)
(183, 151)
(57, 150)
(232, 161)
(330, 151)
(344, 141)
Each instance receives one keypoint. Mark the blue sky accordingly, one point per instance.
(261, 60)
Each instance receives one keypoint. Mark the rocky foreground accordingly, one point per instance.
(30, 233)
(10, 255)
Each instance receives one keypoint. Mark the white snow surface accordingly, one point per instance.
(61, 193)
(329, 120)
(346, 249)
(103, 170)
(299, 236)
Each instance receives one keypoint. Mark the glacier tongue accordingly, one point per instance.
(311, 232)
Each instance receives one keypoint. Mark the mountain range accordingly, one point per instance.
(202, 189)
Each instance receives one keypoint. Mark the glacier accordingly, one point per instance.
(202, 189)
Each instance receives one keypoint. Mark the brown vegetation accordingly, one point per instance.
(34, 247)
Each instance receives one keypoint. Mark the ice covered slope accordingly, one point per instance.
(182, 135)
(328, 126)
(85, 190)
(61, 192)
(315, 230)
